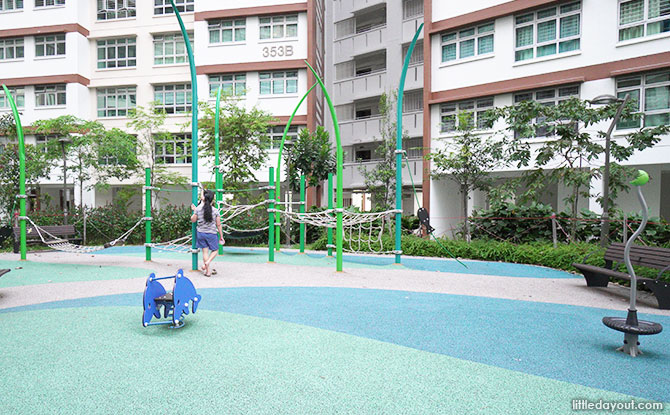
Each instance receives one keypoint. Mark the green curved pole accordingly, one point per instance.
(194, 131)
(217, 174)
(22, 172)
(398, 149)
(278, 170)
(340, 158)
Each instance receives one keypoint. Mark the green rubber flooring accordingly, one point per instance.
(99, 360)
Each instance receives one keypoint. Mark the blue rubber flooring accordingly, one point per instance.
(562, 342)
(503, 269)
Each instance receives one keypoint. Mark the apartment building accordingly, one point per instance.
(487, 53)
(100, 59)
(367, 41)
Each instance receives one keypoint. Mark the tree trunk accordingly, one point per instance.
(466, 223)
(575, 202)
(65, 193)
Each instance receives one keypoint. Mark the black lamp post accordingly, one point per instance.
(606, 100)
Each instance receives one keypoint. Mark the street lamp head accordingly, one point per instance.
(605, 100)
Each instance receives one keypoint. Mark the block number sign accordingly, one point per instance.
(273, 51)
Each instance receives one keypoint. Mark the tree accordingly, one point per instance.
(37, 166)
(74, 142)
(468, 159)
(242, 139)
(570, 148)
(148, 124)
(381, 178)
(311, 155)
(116, 156)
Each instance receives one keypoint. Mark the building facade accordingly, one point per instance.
(97, 60)
(485, 54)
(367, 42)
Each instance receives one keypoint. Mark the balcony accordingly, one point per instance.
(359, 43)
(409, 28)
(372, 84)
(413, 123)
(353, 179)
(360, 130)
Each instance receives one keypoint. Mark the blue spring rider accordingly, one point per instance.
(175, 304)
(630, 325)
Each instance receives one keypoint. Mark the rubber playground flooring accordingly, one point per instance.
(318, 259)
(307, 350)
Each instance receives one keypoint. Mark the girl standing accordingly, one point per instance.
(209, 222)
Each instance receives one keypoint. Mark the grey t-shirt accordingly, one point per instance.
(206, 227)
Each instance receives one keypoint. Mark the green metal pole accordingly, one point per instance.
(217, 159)
(194, 132)
(147, 212)
(271, 216)
(399, 151)
(278, 171)
(329, 231)
(340, 158)
(22, 173)
(302, 210)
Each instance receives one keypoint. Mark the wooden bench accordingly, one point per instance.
(646, 256)
(32, 236)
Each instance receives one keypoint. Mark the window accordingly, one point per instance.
(19, 95)
(412, 101)
(232, 84)
(278, 27)
(49, 95)
(41, 141)
(275, 134)
(473, 41)
(412, 8)
(277, 83)
(651, 93)
(225, 31)
(117, 53)
(170, 49)
(639, 18)
(477, 108)
(417, 54)
(174, 98)
(7, 5)
(164, 6)
(115, 102)
(50, 45)
(116, 9)
(46, 3)
(11, 48)
(173, 150)
(548, 31)
(548, 97)
(413, 147)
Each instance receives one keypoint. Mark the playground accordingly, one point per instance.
(298, 337)
(92, 329)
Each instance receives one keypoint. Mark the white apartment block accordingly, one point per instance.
(98, 59)
(367, 42)
(486, 53)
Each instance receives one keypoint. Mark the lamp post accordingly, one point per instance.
(66, 195)
(606, 100)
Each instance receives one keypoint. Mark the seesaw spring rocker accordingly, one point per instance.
(175, 304)
(631, 326)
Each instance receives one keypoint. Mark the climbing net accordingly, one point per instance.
(181, 245)
(359, 229)
(64, 245)
(229, 212)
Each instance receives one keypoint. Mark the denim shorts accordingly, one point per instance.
(208, 240)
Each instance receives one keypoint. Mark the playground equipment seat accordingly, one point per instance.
(4, 271)
(32, 236)
(175, 303)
